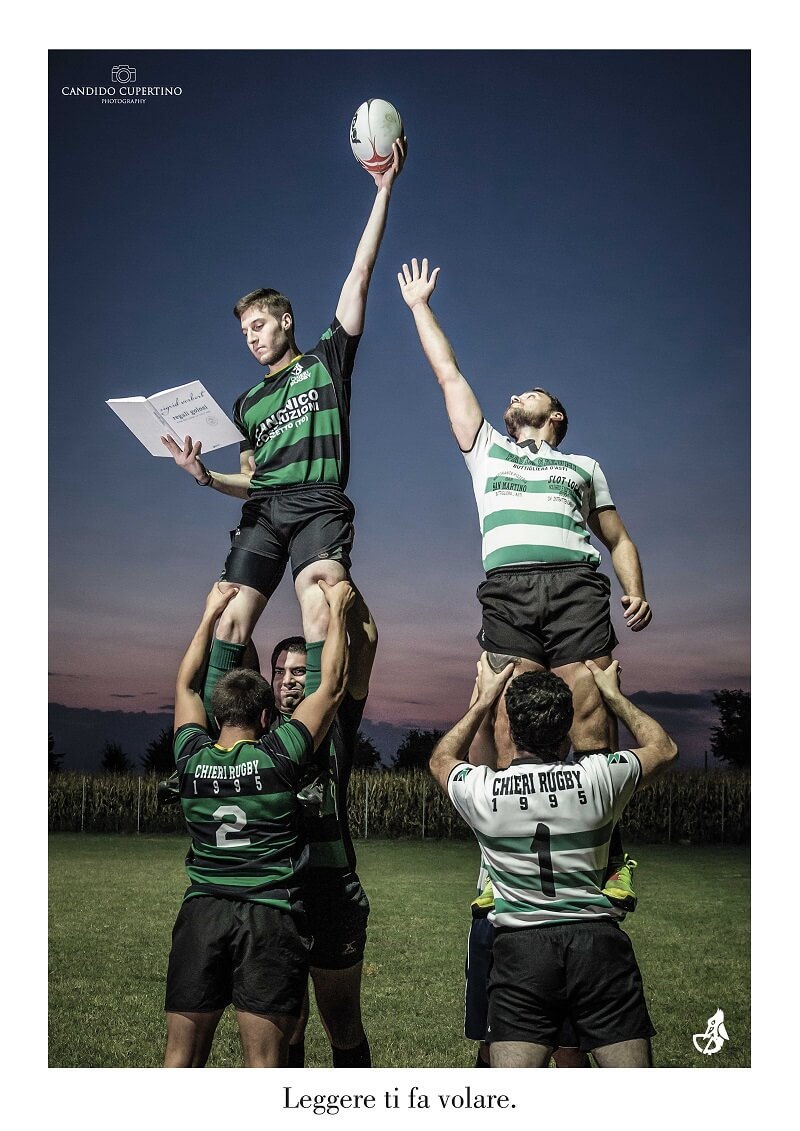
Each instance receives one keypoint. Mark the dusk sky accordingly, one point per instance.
(590, 214)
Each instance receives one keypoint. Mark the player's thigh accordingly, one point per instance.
(591, 726)
(265, 1038)
(189, 1038)
(256, 561)
(239, 618)
(321, 527)
(625, 1054)
(518, 1054)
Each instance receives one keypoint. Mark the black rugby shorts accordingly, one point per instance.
(585, 970)
(553, 615)
(302, 524)
(232, 950)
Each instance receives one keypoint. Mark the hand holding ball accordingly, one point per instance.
(375, 126)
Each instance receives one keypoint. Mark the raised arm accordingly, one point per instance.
(655, 748)
(188, 457)
(318, 710)
(454, 746)
(610, 529)
(188, 691)
(352, 303)
(463, 410)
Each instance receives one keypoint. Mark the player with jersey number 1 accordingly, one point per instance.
(294, 458)
(544, 827)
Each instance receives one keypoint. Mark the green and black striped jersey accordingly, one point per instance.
(241, 811)
(297, 419)
(330, 845)
(327, 832)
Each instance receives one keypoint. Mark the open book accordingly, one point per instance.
(187, 410)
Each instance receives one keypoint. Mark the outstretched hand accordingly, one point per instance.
(416, 286)
(638, 613)
(187, 457)
(399, 152)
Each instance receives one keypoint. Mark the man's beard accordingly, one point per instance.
(517, 416)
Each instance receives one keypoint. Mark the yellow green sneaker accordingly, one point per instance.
(619, 889)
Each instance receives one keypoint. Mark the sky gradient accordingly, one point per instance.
(590, 214)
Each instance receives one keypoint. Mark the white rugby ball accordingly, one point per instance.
(376, 124)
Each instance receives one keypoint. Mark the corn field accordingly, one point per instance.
(692, 807)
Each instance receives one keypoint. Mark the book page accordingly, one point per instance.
(145, 423)
(190, 410)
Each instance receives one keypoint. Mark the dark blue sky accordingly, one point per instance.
(590, 213)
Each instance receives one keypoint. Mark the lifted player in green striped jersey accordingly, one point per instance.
(240, 934)
(294, 458)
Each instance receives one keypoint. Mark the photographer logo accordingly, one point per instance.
(123, 89)
(123, 74)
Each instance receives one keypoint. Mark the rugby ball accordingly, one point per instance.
(376, 124)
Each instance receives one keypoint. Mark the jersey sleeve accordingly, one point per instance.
(188, 740)
(246, 444)
(338, 348)
(599, 495)
(466, 788)
(476, 456)
(614, 777)
(294, 742)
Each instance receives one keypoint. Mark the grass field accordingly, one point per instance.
(113, 900)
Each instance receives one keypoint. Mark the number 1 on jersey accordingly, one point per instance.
(540, 847)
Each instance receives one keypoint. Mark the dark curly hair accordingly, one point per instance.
(539, 706)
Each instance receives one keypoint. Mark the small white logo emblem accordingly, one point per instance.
(714, 1037)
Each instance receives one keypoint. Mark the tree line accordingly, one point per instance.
(729, 741)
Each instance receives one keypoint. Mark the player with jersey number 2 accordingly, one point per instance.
(294, 458)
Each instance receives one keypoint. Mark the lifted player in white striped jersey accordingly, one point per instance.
(544, 603)
(544, 829)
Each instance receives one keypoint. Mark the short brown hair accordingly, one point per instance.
(266, 299)
(240, 698)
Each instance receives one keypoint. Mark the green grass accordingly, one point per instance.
(113, 900)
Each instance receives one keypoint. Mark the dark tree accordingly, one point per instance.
(53, 760)
(115, 760)
(365, 755)
(159, 758)
(730, 741)
(415, 750)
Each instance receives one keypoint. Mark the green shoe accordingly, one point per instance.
(619, 889)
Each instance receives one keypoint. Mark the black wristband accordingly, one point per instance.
(209, 478)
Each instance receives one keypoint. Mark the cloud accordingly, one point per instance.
(66, 675)
(672, 700)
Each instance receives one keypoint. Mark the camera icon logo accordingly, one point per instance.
(123, 74)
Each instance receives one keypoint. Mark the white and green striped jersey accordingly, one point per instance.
(544, 831)
(533, 504)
